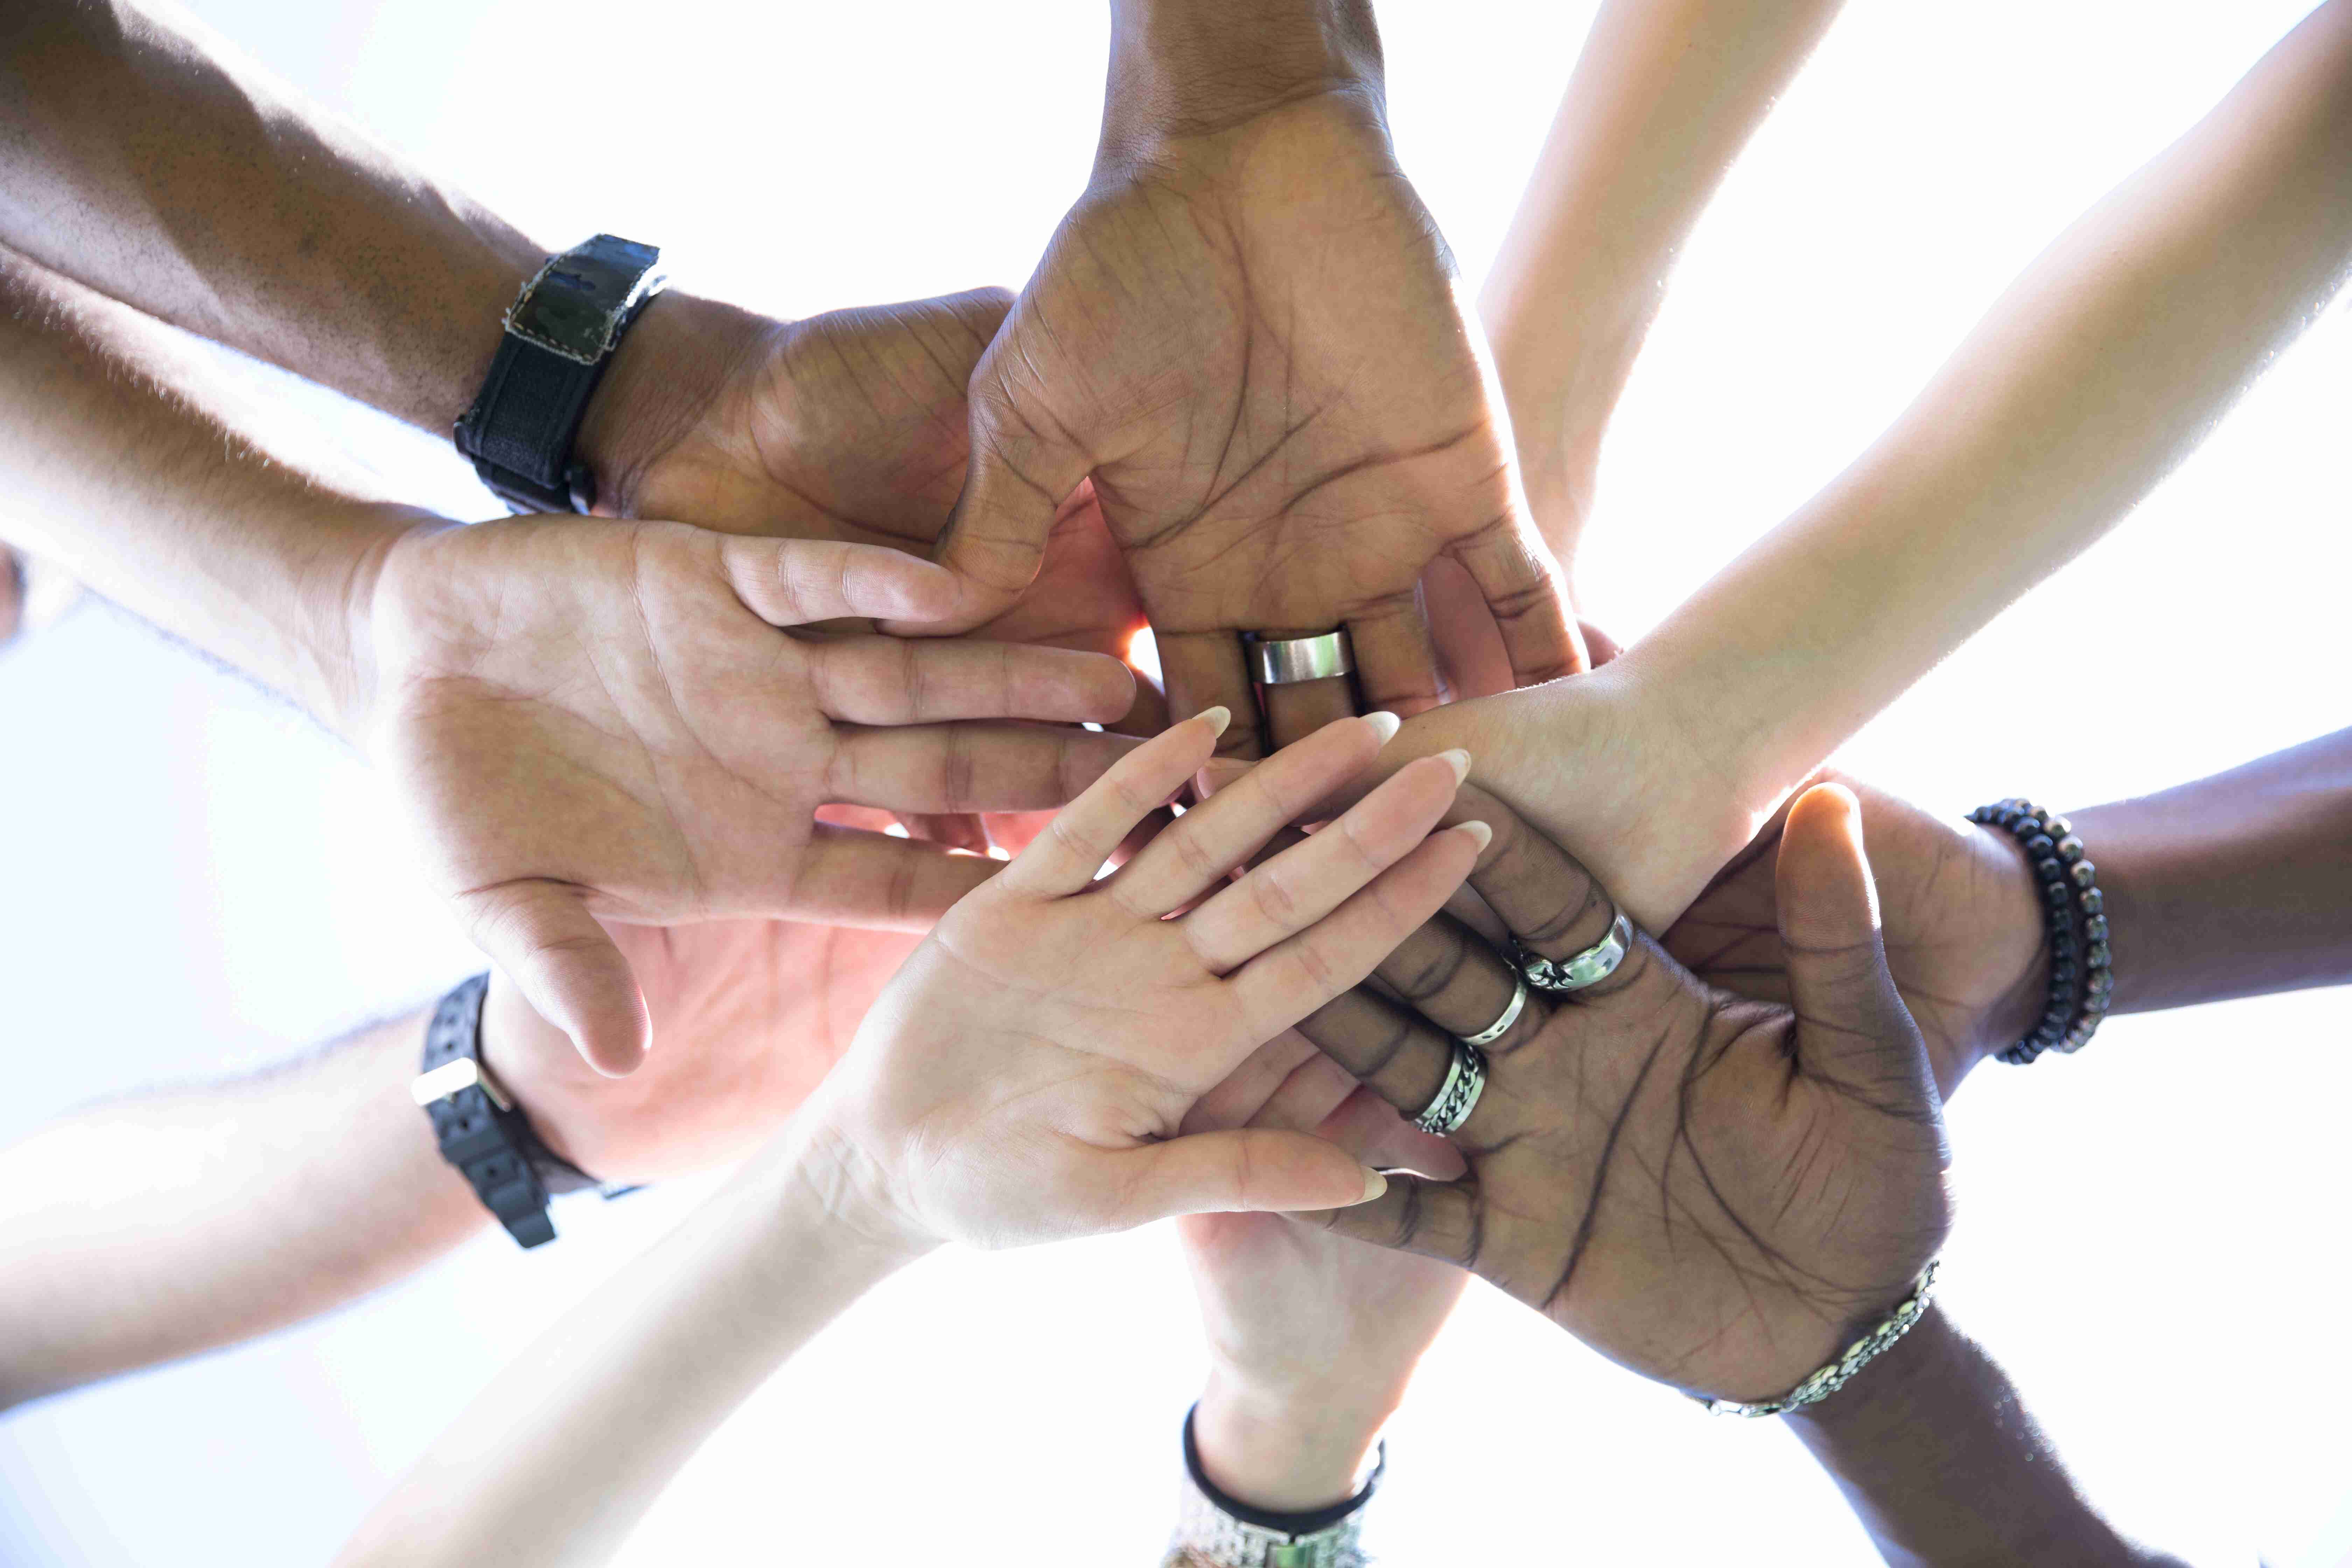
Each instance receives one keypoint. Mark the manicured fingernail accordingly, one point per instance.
(1459, 760)
(1478, 833)
(1384, 724)
(1217, 718)
(1374, 1184)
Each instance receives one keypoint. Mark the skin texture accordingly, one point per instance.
(1283, 428)
(1080, 1003)
(603, 720)
(1713, 1192)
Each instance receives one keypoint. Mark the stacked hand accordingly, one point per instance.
(1711, 1191)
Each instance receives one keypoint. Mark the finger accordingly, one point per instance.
(1148, 714)
(947, 830)
(1297, 709)
(1851, 1022)
(1434, 1219)
(1315, 1088)
(1245, 1171)
(1287, 894)
(1548, 901)
(794, 582)
(1220, 835)
(566, 966)
(1066, 856)
(1470, 652)
(1452, 978)
(995, 538)
(1523, 593)
(1201, 669)
(1245, 1089)
(1391, 1050)
(970, 766)
(909, 681)
(1396, 661)
(850, 877)
(1599, 646)
(1286, 983)
(1371, 1128)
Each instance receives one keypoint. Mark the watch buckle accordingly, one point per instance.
(451, 1078)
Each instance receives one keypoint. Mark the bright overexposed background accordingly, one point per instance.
(2152, 1234)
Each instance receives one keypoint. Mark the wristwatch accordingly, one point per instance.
(480, 1128)
(1214, 1530)
(561, 334)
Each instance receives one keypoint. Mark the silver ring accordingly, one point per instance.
(1465, 1079)
(1278, 661)
(1511, 1010)
(1590, 967)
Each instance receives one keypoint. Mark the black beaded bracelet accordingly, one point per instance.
(2082, 970)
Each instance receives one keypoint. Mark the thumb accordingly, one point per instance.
(995, 539)
(566, 967)
(1248, 1169)
(1852, 1023)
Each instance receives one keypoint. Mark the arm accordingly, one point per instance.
(1663, 98)
(1944, 1466)
(154, 1228)
(2096, 374)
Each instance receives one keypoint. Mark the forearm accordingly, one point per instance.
(1945, 1466)
(1661, 99)
(562, 1454)
(158, 168)
(2234, 885)
(144, 1231)
(2091, 377)
(128, 466)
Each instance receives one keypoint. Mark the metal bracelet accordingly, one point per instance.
(1859, 1354)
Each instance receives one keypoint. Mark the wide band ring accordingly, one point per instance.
(1511, 1011)
(1590, 967)
(1465, 1079)
(1279, 662)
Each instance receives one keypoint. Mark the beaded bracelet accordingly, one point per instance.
(2079, 992)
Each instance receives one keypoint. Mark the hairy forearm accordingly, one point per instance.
(150, 1229)
(534, 1474)
(2098, 370)
(155, 166)
(128, 465)
(2235, 885)
(1662, 98)
(1945, 1468)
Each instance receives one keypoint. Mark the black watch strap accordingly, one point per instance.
(479, 1128)
(561, 334)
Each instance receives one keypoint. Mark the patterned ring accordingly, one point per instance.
(1465, 1079)
(1574, 973)
(1279, 662)
(1511, 1010)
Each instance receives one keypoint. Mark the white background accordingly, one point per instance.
(2151, 1235)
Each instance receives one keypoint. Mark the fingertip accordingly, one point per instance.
(1375, 1184)
(1384, 725)
(918, 590)
(1217, 719)
(1459, 760)
(1477, 832)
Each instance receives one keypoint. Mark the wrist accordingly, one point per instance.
(1189, 68)
(2023, 921)
(671, 366)
(338, 592)
(1290, 1448)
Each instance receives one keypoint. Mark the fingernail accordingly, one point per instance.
(1374, 1184)
(1478, 833)
(1459, 760)
(1384, 724)
(1217, 718)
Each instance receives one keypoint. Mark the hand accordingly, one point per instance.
(1312, 1337)
(1960, 917)
(1027, 1075)
(601, 720)
(849, 426)
(1248, 334)
(1718, 1193)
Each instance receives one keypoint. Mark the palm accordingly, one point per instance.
(1962, 927)
(1284, 427)
(748, 1018)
